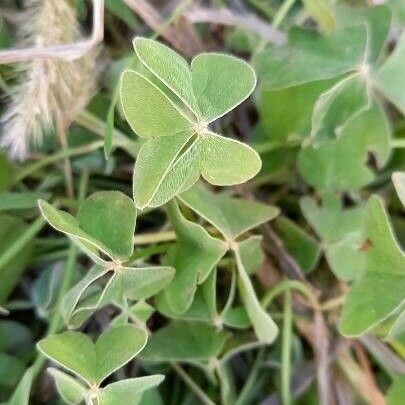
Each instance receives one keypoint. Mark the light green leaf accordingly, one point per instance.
(379, 290)
(310, 57)
(74, 351)
(73, 296)
(184, 341)
(231, 216)
(64, 222)
(148, 110)
(340, 164)
(342, 102)
(94, 362)
(194, 257)
(173, 70)
(389, 79)
(253, 255)
(70, 390)
(109, 217)
(181, 176)
(7, 172)
(265, 328)
(398, 179)
(220, 83)
(128, 391)
(141, 283)
(154, 163)
(226, 162)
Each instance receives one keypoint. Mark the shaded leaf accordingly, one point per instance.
(70, 390)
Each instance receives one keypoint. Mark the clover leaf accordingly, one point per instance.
(398, 178)
(379, 290)
(94, 362)
(171, 104)
(105, 227)
(232, 218)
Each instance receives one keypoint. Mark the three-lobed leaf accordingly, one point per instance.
(94, 362)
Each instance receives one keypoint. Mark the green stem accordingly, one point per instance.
(48, 160)
(288, 285)
(22, 241)
(244, 396)
(148, 238)
(286, 350)
(397, 143)
(192, 385)
(282, 12)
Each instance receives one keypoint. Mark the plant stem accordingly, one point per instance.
(397, 143)
(22, 241)
(244, 396)
(286, 350)
(80, 150)
(282, 12)
(192, 385)
(156, 237)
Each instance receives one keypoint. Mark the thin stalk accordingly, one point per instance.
(282, 12)
(244, 396)
(200, 394)
(286, 350)
(48, 160)
(22, 241)
(148, 238)
(397, 143)
(67, 165)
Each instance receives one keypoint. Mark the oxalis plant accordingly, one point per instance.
(170, 105)
(159, 284)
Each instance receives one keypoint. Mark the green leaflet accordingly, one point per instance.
(379, 289)
(70, 390)
(326, 167)
(311, 57)
(105, 223)
(93, 362)
(185, 341)
(340, 232)
(194, 257)
(172, 109)
(231, 216)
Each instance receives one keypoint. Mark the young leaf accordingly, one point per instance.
(70, 390)
(231, 216)
(128, 390)
(379, 290)
(310, 57)
(194, 257)
(94, 362)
